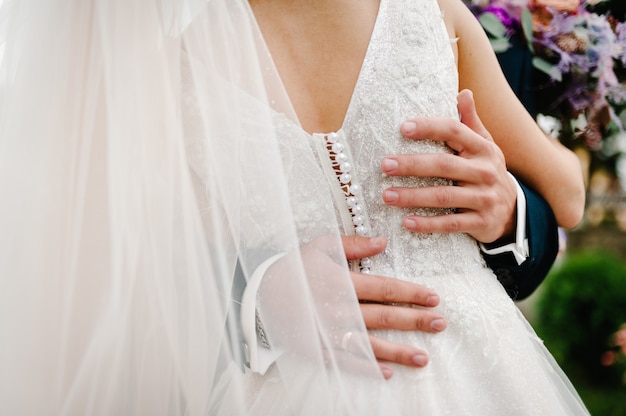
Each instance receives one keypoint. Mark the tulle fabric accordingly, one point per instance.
(138, 166)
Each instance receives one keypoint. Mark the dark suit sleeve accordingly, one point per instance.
(541, 228)
(543, 243)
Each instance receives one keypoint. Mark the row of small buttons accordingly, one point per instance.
(351, 190)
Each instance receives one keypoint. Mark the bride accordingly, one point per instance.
(150, 151)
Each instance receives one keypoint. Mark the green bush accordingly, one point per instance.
(582, 306)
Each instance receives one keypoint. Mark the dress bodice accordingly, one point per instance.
(488, 360)
(408, 71)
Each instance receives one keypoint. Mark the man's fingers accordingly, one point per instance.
(439, 197)
(403, 318)
(388, 290)
(396, 353)
(357, 247)
(426, 165)
(469, 116)
(451, 223)
(458, 135)
(443, 165)
(449, 129)
(443, 129)
(470, 222)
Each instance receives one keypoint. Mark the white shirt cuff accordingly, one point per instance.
(259, 358)
(519, 248)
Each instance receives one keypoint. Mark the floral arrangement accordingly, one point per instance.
(581, 55)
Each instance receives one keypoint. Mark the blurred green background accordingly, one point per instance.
(580, 313)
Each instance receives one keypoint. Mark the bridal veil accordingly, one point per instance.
(138, 170)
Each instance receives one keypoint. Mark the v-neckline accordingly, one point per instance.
(355, 90)
(362, 70)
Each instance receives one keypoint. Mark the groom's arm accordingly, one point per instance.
(541, 244)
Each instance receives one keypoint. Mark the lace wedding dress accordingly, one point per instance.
(488, 361)
(117, 259)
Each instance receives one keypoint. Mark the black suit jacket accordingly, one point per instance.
(543, 243)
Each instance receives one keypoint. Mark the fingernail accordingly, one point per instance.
(387, 372)
(377, 242)
(432, 300)
(409, 127)
(420, 359)
(389, 165)
(390, 196)
(438, 325)
(409, 223)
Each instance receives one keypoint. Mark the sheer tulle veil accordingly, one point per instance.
(138, 167)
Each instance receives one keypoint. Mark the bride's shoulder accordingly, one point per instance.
(459, 18)
(456, 16)
(462, 25)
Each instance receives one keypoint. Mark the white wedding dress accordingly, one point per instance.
(117, 259)
(488, 361)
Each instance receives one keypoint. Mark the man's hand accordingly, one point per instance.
(484, 195)
(378, 290)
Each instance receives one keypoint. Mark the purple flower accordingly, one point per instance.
(503, 15)
(584, 52)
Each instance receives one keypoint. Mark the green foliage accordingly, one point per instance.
(492, 25)
(582, 305)
(496, 31)
(527, 28)
(603, 401)
(547, 68)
